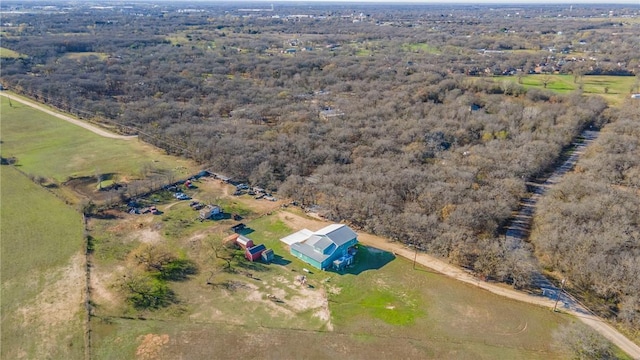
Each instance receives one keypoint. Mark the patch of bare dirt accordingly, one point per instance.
(148, 236)
(312, 299)
(102, 291)
(151, 346)
(136, 228)
(57, 306)
(298, 222)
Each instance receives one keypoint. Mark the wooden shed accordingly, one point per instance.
(254, 253)
(231, 239)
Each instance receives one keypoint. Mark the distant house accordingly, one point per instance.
(211, 212)
(330, 113)
(254, 253)
(330, 247)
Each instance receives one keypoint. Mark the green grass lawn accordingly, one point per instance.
(421, 47)
(40, 235)
(614, 89)
(53, 148)
(8, 53)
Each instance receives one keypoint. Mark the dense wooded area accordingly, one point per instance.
(588, 226)
(385, 117)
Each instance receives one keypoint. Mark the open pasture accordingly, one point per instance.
(614, 89)
(54, 149)
(42, 272)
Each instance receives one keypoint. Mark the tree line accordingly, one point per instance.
(587, 228)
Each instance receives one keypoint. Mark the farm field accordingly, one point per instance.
(8, 53)
(54, 149)
(618, 86)
(80, 55)
(379, 308)
(43, 274)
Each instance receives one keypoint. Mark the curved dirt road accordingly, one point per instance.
(298, 222)
(80, 123)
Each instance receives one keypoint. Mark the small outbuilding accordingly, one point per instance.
(231, 239)
(238, 227)
(267, 256)
(244, 242)
(210, 212)
(254, 253)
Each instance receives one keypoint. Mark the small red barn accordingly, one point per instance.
(254, 253)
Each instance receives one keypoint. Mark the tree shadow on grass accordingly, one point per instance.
(252, 265)
(368, 258)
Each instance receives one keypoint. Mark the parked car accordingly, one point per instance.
(181, 196)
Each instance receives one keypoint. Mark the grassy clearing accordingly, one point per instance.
(614, 89)
(182, 221)
(421, 47)
(80, 55)
(53, 148)
(42, 272)
(10, 54)
(174, 340)
(35, 224)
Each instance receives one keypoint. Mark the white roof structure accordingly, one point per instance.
(338, 233)
(297, 237)
(334, 233)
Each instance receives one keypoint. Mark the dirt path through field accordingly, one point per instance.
(80, 123)
(297, 222)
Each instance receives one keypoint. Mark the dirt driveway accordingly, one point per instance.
(80, 123)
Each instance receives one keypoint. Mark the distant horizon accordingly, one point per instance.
(437, 2)
(455, 2)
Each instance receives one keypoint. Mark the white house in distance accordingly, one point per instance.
(330, 247)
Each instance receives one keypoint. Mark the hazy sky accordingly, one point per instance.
(603, 2)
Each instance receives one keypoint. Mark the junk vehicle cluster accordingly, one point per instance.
(147, 204)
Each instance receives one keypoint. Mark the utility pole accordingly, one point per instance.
(558, 295)
(415, 256)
